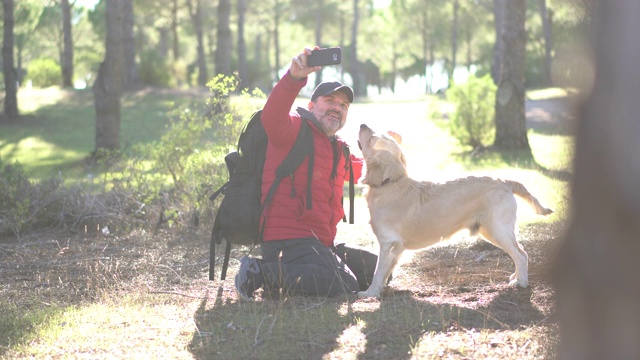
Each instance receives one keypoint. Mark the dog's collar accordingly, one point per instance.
(386, 181)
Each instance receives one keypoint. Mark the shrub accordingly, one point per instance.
(186, 164)
(473, 119)
(166, 181)
(13, 194)
(44, 72)
(154, 69)
(30, 205)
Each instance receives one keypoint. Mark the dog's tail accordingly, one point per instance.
(521, 191)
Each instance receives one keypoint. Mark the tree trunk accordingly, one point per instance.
(130, 66)
(195, 11)
(108, 86)
(223, 50)
(546, 30)
(511, 126)
(243, 71)
(20, 73)
(454, 42)
(498, 47)
(276, 38)
(359, 81)
(163, 42)
(67, 52)
(318, 34)
(174, 30)
(597, 270)
(426, 40)
(262, 64)
(10, 81)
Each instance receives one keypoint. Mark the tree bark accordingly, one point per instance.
(498, 47)
(67, 51)
(546, 31)
(355, 67)
(276, 38)
(174, 30)
(224, 48)
(107, 88)
(318, 34)
(10, 80)
(454, 42)
(130, 66)
(511, 126)
(243, 71)
(195, 11)
(426, 40)
(596, 276)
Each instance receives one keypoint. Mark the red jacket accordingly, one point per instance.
(287, 216)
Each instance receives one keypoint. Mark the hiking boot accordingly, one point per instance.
(246, 279)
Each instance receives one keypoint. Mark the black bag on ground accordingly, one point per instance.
(361, 262)
(239, 215)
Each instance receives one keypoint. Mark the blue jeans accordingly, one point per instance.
(305, 266)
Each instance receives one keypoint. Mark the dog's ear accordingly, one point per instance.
(394, 170)
(384, 168)
(395, 136)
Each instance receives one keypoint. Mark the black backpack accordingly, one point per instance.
(238, 217)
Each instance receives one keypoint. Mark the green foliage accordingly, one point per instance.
(472, 122)
(13, 194)
(44, 72)
(167, 179)
(178, 171)
(19, 327)
(154, 69)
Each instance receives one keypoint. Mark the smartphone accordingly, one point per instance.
(322, 57)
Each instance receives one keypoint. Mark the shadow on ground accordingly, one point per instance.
(451, 294)
(390, 328)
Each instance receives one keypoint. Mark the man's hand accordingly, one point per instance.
(299, 69)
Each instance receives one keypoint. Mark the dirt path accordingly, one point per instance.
(551, 115)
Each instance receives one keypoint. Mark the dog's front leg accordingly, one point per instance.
(390, 252)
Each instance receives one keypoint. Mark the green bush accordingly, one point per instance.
(154, 70)
(44, 72)
(473, 119)
(180, 170)
(166, 181)
(14, 184)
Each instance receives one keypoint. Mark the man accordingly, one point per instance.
(297, 243)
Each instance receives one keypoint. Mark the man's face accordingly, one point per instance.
(331, 111)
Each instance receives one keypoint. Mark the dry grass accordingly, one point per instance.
(141, 295)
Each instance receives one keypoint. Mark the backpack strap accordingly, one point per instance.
(215, 234)
(302, 148)
(347, 157)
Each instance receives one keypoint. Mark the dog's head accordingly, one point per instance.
(383, 155)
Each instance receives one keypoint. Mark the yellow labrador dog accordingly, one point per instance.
(410, 214)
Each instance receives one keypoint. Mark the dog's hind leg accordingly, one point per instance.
(504, 237)
(390, 253)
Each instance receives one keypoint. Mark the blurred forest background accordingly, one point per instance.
(386, 44)
(212, 62)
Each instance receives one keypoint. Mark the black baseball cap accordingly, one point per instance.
(329, 87)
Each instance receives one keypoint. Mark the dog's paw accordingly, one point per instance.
(523, 284)
(367, 294)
